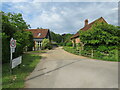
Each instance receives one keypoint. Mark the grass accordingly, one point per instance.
(70, 49)
(39, 51)
(17, 79)
(111, 57)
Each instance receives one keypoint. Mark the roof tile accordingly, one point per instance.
(36, 32)
(101, 19)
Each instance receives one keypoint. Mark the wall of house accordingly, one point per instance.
(77, 40)
(37, 45)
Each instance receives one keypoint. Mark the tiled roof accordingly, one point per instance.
(101, 19)
(39, 33)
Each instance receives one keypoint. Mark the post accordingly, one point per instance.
(80, 51)
(10, 61)
(116, 54)
(92, 53)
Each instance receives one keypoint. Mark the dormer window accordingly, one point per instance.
(39, 34)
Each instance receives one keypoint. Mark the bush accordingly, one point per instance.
(61, 44)
(69, 44)
(46, 44)
(102, 48)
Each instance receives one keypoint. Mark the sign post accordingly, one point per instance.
(12, 50)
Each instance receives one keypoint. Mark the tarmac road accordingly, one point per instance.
(60, 69)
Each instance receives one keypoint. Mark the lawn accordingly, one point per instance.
(17, 79)
(39, 51)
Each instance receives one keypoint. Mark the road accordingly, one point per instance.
(60, 69)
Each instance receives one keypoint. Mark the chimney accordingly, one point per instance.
(86, 22)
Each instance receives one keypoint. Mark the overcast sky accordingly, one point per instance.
(63, 17)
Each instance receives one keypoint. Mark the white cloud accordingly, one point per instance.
(15, 0)
(60, 0)
(64, 17)
(114, 9)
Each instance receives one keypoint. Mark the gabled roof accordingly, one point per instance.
(39, 33)
(101, 19)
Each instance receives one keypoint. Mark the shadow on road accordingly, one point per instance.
(53, 70)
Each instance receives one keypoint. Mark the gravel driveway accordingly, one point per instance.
(60, 69)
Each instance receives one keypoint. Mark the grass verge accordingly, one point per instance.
(39, 51)
(112, 57)
(19, 73)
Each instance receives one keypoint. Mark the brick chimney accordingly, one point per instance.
(86, 22)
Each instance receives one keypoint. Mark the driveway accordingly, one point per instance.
(60, 69)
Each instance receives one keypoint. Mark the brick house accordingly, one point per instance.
(38, 36)
(75, 38)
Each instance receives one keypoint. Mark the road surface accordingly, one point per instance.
(60, 69)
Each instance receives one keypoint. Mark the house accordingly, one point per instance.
(38, 36)
(75, 38)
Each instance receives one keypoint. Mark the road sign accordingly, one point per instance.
(16, 61)
(12, 43)
(12, 50)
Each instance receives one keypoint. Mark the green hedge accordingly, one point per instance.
(109, 55)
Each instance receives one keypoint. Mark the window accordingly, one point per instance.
(39, 34)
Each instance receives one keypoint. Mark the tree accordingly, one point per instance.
(101, 34)
(24, 39)
(39, 28)
(56, 37)
(14, 26)
(67, 39)
(12, 23)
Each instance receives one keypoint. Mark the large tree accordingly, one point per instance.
(12, 22)
(56, 37)
(101, 34)
(13, 25)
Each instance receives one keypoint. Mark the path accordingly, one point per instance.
(60, 69)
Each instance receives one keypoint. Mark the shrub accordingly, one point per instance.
(69, 44)
(102, 48)
(46, 44)
(61, 44)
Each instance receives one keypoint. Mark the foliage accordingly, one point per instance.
(103, 38)
(56, 37)
(5, 48)
(69, 43)
(46, 44)
(28, 64)
(24, 39)
(14, 26)
(11, 22)
(101, 34)
(61, 44)
(111, 55)
(39, 28)
(66, 37)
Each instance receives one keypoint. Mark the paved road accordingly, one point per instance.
(60, 69)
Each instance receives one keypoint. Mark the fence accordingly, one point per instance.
(111, 55)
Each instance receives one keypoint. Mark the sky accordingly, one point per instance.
(63, 17)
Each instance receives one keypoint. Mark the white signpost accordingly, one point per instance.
(16, 61)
